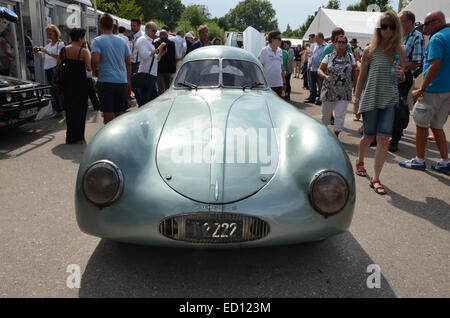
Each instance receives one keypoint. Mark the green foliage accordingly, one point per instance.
(107, 6)
(222, 23)
(288, 29)
(193, 15)
(333, 4)
(128, 9)
(363, 4)
(215, 31)
(184, 25)
(306, 25)
(171, 13)
(256, 13)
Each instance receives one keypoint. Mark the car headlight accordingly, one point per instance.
(328, 192)
(102, 183)
(9, 98)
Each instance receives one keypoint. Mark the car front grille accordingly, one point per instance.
(214, 228)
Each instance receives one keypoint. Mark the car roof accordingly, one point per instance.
(218, 52)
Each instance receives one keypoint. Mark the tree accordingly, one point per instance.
(288, 29)
(306, 25)
(363, 4)
(256, 13)
(128, 9)
(171, 12)
(333, 4)
(215, 31)
(193, 16)
(105, 5)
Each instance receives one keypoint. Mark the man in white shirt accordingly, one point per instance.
(271, 57)
(137, 33)
(123, 36)
(149, 57)
(180, 45)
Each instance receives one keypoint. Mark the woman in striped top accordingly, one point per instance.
(378, 90)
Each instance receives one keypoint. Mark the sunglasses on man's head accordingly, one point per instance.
(386, 26)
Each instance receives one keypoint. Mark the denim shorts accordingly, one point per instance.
(379, 121)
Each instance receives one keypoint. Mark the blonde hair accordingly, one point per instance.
(395, 43)
(54, 28)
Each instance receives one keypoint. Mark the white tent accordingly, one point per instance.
(356, 24)
(420, 8)
(294, 42)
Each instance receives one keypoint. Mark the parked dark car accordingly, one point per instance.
(20, 100)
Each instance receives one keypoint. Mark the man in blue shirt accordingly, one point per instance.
(432, 109)
(203, 33)
(316, 80)
(111, 63)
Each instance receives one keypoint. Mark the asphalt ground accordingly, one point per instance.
(405, 232)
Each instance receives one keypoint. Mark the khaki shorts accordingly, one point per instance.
(432, 110)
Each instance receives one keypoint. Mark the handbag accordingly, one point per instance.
(59, 73)
(142, 79)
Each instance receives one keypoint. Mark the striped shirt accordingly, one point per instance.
(379, 93)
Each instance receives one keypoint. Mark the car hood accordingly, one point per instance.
(14, 83)
(218, 146)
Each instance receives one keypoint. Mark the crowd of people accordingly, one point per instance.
(377, 81)
(142, 65)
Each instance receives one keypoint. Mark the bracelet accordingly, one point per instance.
(355, 101)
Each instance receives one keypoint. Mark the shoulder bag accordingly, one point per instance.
(59, 72)
(142, 79)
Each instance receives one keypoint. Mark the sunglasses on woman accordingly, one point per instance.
(386, 26)
(341, 42)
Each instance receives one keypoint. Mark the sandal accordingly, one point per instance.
(360, 171)
(378, 189)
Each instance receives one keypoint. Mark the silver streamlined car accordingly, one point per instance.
(218, 160)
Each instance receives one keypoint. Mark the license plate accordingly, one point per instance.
(207, 229)
(28, 112)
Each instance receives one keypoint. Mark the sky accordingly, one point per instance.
(292, 12)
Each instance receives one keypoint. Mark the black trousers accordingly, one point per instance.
(401, 120)
(92, 93)
(288, 84)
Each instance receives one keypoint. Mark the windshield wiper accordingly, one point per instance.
(187, 84)
(251, 85)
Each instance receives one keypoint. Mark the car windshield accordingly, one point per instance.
(201, 73)
(238, 73)
(206, 73)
